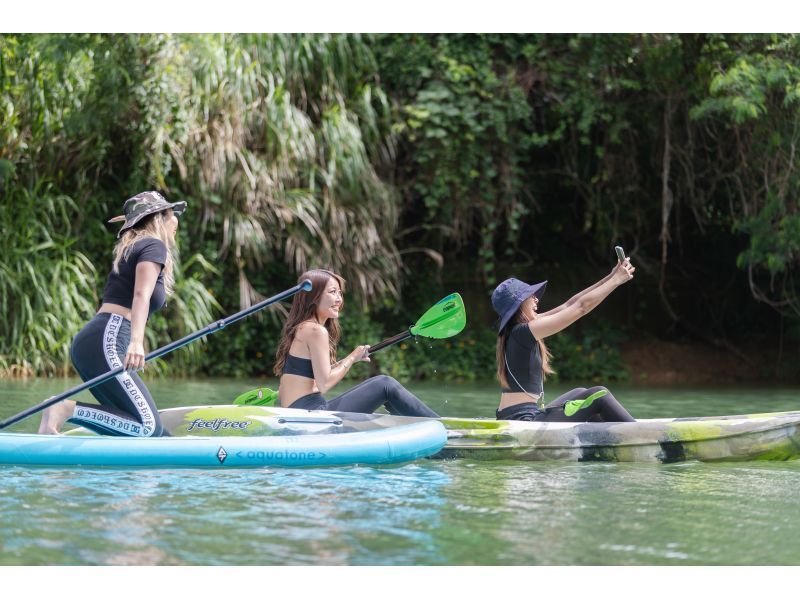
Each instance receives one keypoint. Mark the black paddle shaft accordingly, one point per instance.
(210, 329)
(390, 341)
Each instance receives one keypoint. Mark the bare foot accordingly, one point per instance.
(54, 417)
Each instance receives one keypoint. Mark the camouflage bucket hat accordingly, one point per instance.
(145, 204)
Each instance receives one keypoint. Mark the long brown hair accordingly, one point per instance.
(500, 352)
(153, 226)
(304, 308)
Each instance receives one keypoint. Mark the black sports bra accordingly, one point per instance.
(299, 366)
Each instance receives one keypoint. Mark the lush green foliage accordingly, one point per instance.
(415, 165)
(463, 117)
(46, 286)
(591, 356)
(757, 98)
(68, 104)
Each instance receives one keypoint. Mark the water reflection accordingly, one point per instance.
(606, 514)
(354, 515)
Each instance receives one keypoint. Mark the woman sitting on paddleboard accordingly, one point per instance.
(306, 358)
(137, 286)
(523, 360)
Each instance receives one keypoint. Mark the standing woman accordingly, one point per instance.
(523, 360)
(141, 278)
(306, 358)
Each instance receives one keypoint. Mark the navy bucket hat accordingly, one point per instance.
(510, 294)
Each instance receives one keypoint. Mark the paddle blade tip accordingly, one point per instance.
(445, 319)
(451, 297)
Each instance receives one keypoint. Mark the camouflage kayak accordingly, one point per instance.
(763, 436)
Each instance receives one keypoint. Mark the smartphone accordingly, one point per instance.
(620, 253)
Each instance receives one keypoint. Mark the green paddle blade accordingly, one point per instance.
(263, 397)
(445, 319)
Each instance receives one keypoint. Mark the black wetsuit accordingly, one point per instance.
(363, 398)
(126, 407)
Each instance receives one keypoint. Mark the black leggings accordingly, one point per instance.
(126, 407)
(595, 404)
(367, 397)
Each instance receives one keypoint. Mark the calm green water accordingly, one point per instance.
(425, 513)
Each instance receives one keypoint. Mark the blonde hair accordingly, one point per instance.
(500, 351)
(152, 226)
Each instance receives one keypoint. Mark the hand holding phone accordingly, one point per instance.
(623, 270)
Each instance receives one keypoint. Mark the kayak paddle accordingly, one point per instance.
(445, 319)
(211, 328)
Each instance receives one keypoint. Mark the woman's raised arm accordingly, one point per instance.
(553, 321)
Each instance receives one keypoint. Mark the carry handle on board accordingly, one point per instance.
(210, 329)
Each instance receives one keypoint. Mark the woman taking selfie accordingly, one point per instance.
(523, 360)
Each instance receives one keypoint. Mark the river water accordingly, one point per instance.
(431, 512)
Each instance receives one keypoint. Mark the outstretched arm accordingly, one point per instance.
(577, 297)
(553, 321)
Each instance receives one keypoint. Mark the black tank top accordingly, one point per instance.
(120, 285)
(523, 362)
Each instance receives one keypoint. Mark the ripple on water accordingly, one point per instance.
(225, 517)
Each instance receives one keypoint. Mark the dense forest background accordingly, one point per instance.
(415, 165)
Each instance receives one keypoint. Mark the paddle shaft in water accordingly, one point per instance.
(210, 329)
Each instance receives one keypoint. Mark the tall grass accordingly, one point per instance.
(278, 137)
(276, 141)
(47, 287)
